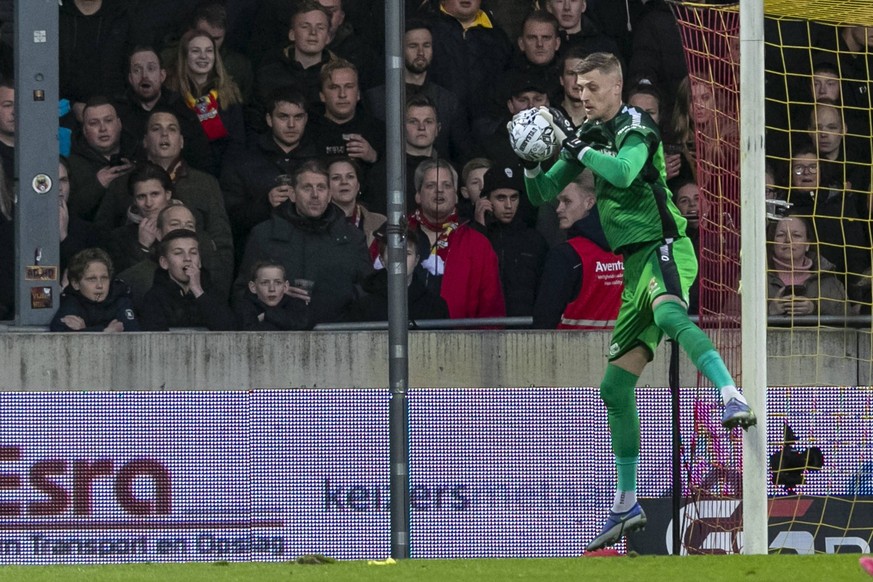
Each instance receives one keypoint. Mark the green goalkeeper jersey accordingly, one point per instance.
(630, 180)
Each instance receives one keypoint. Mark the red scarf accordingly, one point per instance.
(206, 108)
(443, 230)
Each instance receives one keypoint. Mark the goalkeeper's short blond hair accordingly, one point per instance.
(606, 63)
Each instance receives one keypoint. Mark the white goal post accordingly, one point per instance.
(753, 273)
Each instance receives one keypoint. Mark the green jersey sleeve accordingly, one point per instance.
(622, 169)
(546, 186)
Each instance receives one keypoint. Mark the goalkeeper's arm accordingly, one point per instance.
(620, 170)
(542, 187)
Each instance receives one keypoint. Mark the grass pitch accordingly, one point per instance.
(774, 568)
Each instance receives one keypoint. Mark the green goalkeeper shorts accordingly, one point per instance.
(649, 272)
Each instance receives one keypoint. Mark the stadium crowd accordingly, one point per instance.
(226, 161)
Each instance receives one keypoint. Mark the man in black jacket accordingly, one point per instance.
(94, 38)
(454, 139)
(249, 183)
(315, 243)
(343, 127)
(101, 154)
(521, 250)
(470, 52)
(298, 64)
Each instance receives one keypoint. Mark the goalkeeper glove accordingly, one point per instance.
(562, 126)
(574, 147)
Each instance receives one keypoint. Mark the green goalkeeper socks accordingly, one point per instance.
(626, 467)
(672, 317)
(618, 393)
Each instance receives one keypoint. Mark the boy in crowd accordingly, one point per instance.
(422, 302)
(267, 306)
(179, 296)
(93, 301)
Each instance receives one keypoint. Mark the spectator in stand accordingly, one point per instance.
(523, 93)
(537, 56)
(267, 306)
(344, 176)
(175, 216)
(421, 130)
(687, 198)
(199, 75)
(472, 182)
(701, 125)
(93, 43)
(251, 183)
(344, 42)
(461, 264)
(847, 48)
(454, 136)
(93, 301)
(569, 100)
(799, 281)
(840, 163)
(646, 97)
(299, 64)
(145, 92)
(101, 154)
(422, 303)
(826, 82)
(180, 295)
(470, 52)
(211, 17)
(7, 128)
(577, 29)
(521, 250)
(151, 190)
(75, 234)
(312, 239)
(582, 279)
(834, 216)
(198, 190)
(658, 56)
(344, 128)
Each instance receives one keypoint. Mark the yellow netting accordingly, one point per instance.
(856, 12)
(819, 138)
(838, 12)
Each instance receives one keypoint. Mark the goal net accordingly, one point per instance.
(818, 70)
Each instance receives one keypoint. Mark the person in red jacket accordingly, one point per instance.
(460, 263)
(582, 279)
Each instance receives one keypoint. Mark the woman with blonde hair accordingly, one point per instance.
(702, 127)
(199, 75)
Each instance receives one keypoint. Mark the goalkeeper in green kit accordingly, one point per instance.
(622, 146)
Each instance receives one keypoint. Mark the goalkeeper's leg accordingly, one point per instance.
(618, 393)
(673, 267)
